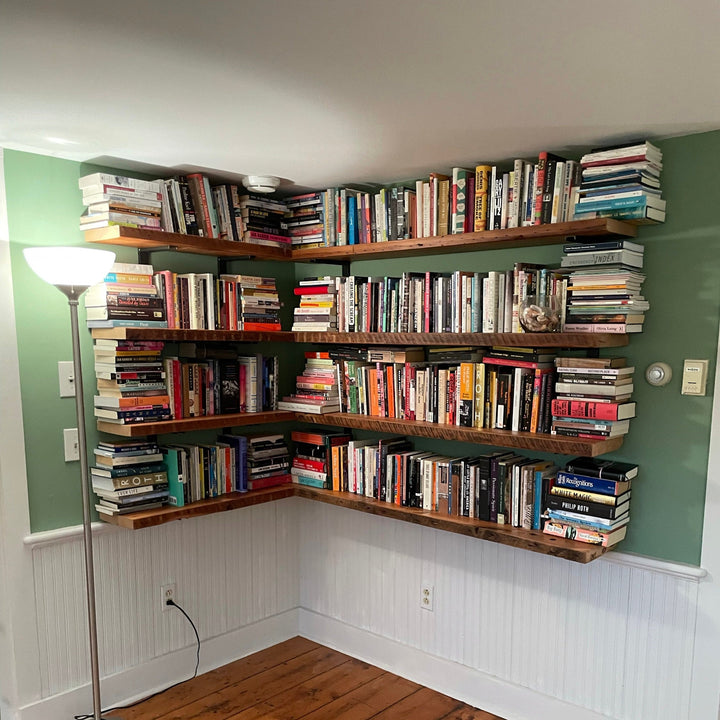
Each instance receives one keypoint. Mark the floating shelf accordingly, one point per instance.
(540, 442)
(144, 239)
(534, 235)
(207, 422)
(532, 540)
(565, 340)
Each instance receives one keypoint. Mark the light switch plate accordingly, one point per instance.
(71, 445)
(66, 378)
(694, 379)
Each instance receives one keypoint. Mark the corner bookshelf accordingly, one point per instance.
(538, 235)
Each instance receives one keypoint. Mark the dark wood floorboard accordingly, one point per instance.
(299, 679)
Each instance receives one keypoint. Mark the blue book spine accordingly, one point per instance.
(590, 484)
(569, 520)
(352, 220)
(242, 464)
(616, 204)
(312, 482)
(176, 486)
(537, 500)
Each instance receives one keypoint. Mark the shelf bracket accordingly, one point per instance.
(143, 254)
(222, 264)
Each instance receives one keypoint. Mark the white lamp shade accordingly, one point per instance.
(69, 266)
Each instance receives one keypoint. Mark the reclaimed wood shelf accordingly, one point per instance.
(532, 540)
(145, 239)
(534, 235)
(565, 340)
(540, 442)
(207, 422)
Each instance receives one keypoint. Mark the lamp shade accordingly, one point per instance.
(69, 266)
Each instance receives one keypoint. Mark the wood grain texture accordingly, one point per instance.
(295, 680)
(469, 242)
(540, 442)
(159, 239)
(207, 422)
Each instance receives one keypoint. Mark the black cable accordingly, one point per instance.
(159, 692)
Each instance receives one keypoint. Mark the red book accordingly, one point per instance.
(470, 203)
(271, 481)
(197, 190)
(305, 464)
(617, 161)
(593, 410)
(314, 290)
(269, 327)
(517, 363)
(251, 235)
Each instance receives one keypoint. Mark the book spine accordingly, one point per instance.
(482, 188)
(589, 484)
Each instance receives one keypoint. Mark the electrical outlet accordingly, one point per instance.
(167, 592)
(427, 597)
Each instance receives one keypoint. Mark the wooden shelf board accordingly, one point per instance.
(149, 239)
(569, 340)
(208, 422)
(525, 539)
(516, 537)
(171, 335)
(467, 242)
(232, 501)
(539, 442)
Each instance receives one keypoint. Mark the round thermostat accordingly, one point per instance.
(658, 374)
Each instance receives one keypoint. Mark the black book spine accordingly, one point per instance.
(188, 209)
(592, 509)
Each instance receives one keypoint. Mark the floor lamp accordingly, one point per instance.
(72, 270)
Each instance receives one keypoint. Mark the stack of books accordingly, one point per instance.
(268, 461)
(317, 388)
(126, 298)
(623, 182)
(118, 200)
(129, 476)
(592, 397)
(264, 221)
(604, 287)
(319, 457)
(318, 309)
(248, 302)
(589, 501)
(130, 381)
(305, 220)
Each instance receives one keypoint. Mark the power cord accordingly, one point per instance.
(170, 687)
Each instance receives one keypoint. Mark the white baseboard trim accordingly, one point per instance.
(161, 672)
(459, 681)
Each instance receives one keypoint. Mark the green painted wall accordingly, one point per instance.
(669, 439)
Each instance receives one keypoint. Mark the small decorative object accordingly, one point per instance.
(539, 317)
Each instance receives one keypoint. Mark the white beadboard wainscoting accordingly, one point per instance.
(520, 634)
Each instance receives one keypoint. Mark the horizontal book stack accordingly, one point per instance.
(221, 382)
(622, 181)
(305, 219)
(319, 457)
(317, 388)
(589, 501)
(128, 477)
(604, 287)
(126, 298)
(317, 311)
(118, 200)
(268, 460)
(131, 383)
(592, 397)
(248, 302)
(265, 221)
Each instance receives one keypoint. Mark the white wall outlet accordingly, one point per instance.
(71, 444)
(427, 597)
(167, 592)
(694, 379)
(66, 378)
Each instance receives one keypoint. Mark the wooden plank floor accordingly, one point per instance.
(300, 679)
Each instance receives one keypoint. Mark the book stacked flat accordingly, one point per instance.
(268, 461)
(319, 457)
(317, 388)
(604, 287)
(622, 182)
(305, 220)
(126, 298)
(117, 200)
(317, 311)
(130, 381)
(592, 397)
(589, 501)
(264, 221)
(128, 477)
(248, 302)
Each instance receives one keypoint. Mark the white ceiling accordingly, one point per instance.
(322, 92)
